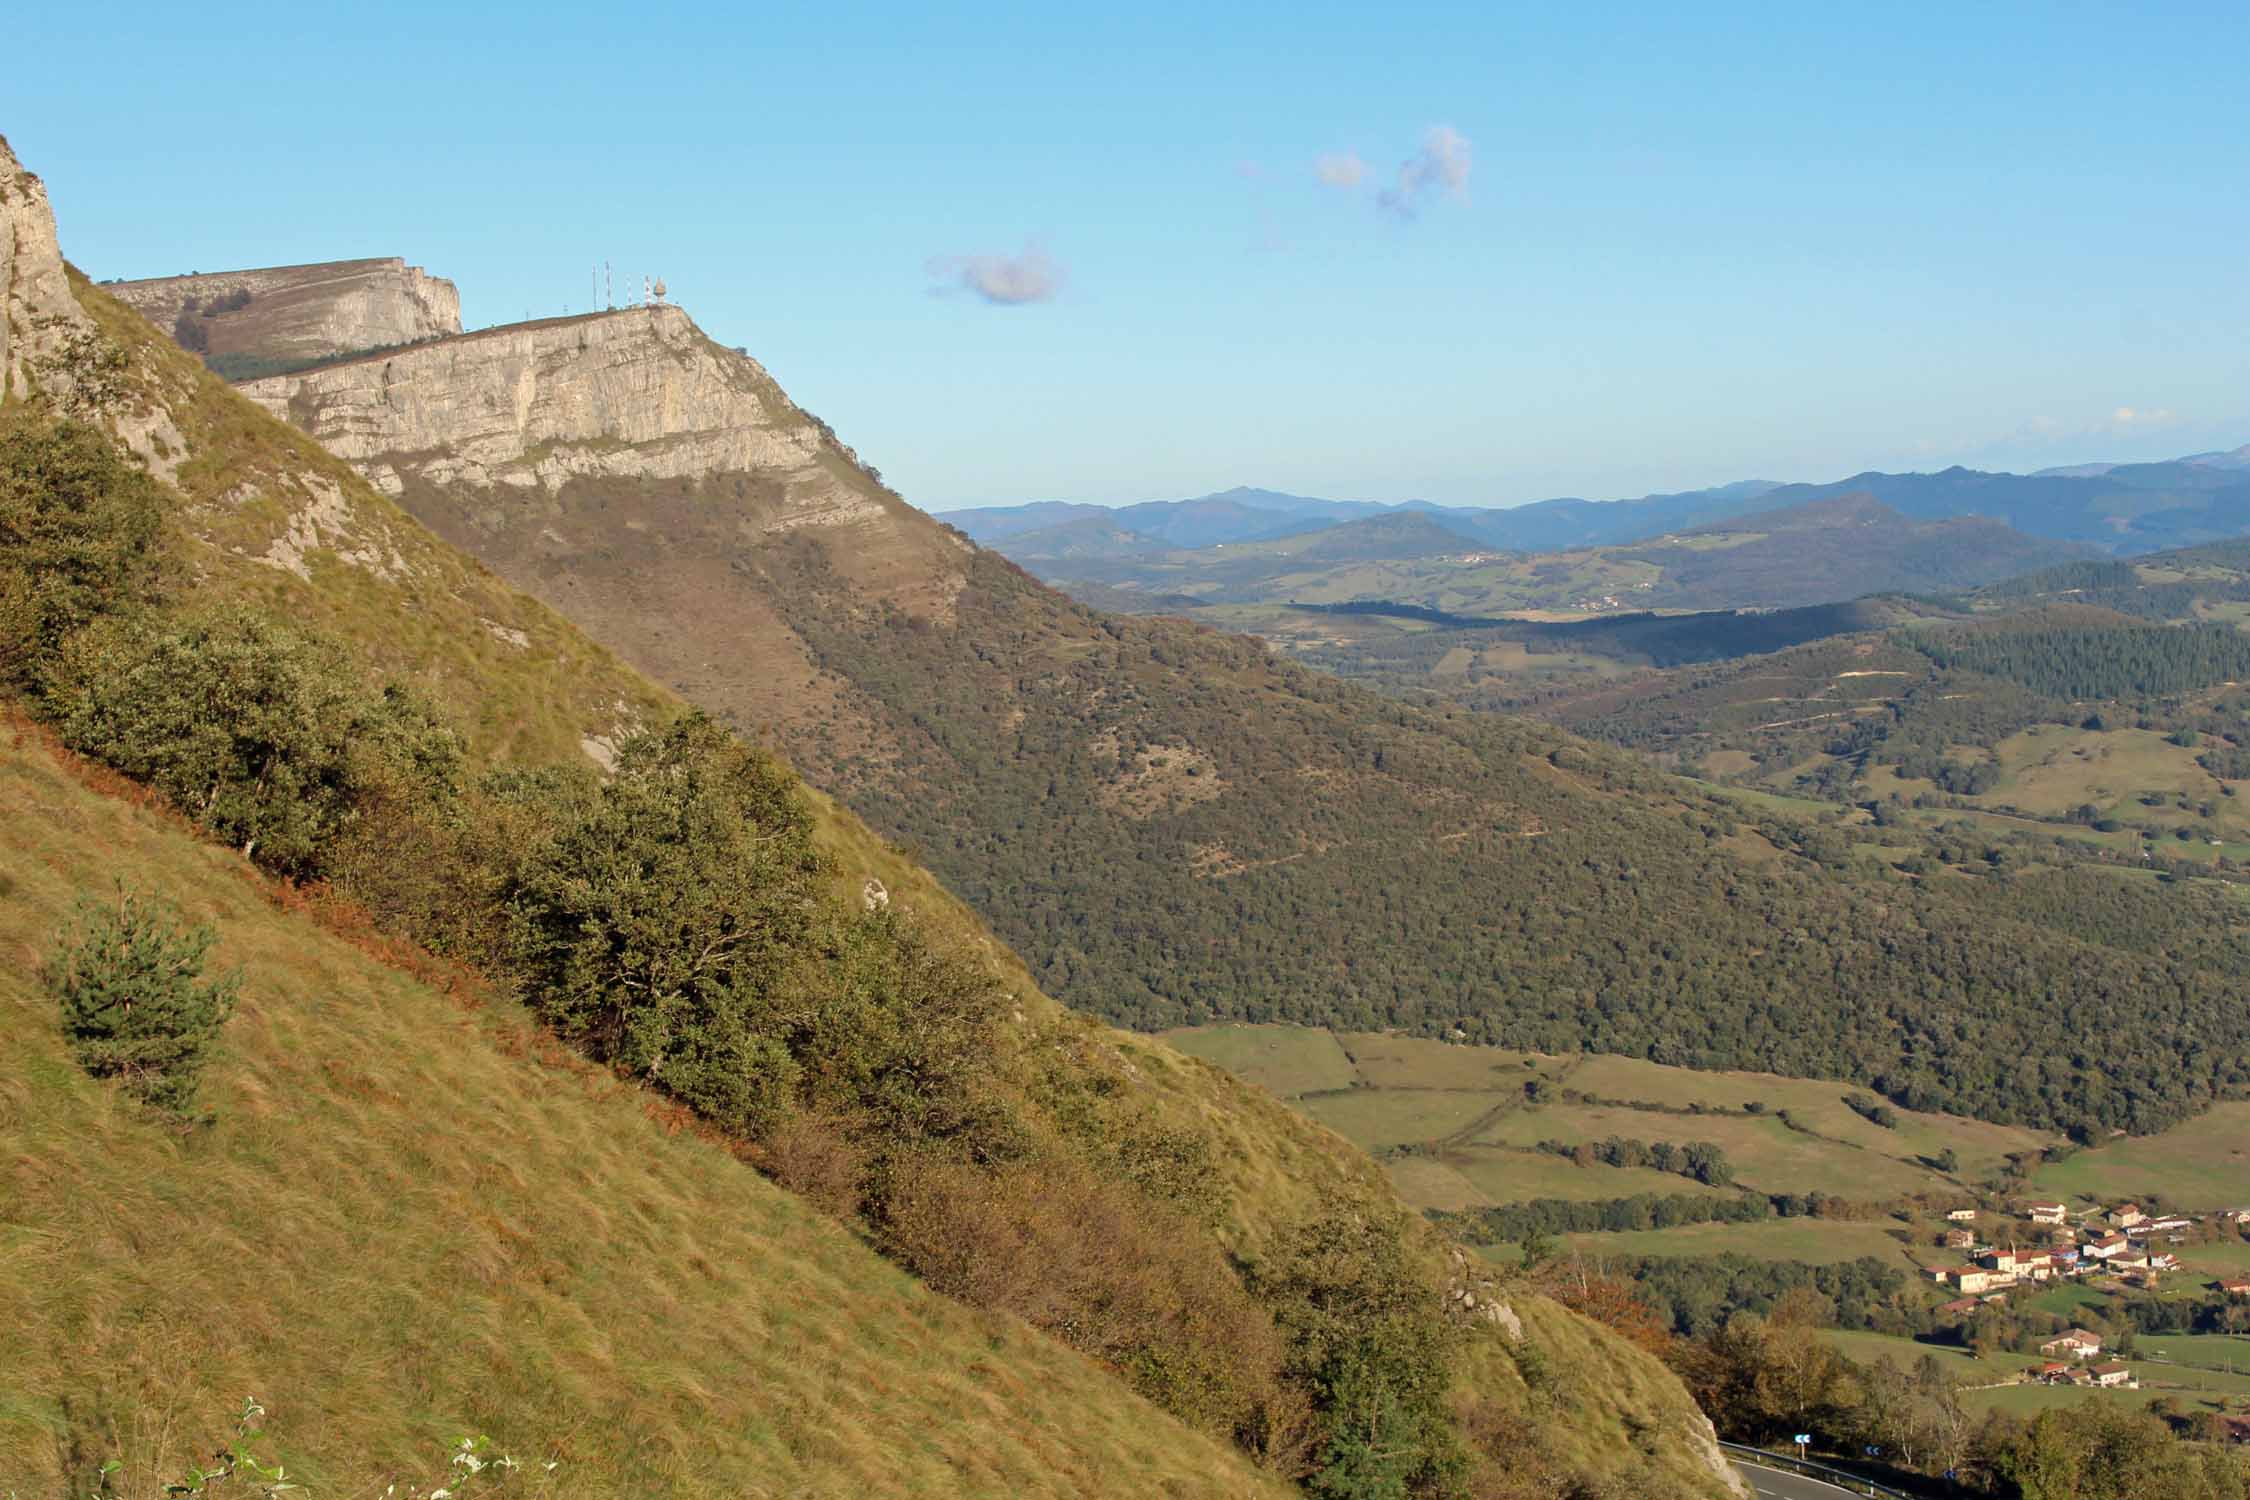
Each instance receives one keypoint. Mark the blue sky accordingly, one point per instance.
(1650, 249)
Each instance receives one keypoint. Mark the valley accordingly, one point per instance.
(1315, 997)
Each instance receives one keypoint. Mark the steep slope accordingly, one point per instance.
(263, 517)
(414, 1217)
(1174, 827)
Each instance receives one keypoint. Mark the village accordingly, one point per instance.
(2123, 1245)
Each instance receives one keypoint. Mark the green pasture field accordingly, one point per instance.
(1376, 1118)
(1864, 1348)
(1381, 1091)
(2052, 768)
(1981, 1147)
(1406, 1062)
(1764, 1153)
(2201, 1164)
(1506, 1176)
(2223, 1352)
(1284, 1060)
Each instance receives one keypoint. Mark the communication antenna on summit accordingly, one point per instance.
(609, 288)
(658, 289)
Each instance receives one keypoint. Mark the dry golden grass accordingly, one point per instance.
(414, 1218)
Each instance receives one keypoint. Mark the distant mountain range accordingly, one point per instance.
(2118, 508)
(1809, 551)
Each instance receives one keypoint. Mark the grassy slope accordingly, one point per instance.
(2201, 1165)
(414, 1219)
(416, 608)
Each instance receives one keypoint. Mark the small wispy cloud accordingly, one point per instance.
(1340, 169)
(2141, 418)
(1442, 163)
(1003, 280)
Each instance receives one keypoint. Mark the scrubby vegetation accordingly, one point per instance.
(78, 537)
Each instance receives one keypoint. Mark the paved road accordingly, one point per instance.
(1773, 1484)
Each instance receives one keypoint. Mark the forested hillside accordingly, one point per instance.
(1172, 826)
(1179, 827)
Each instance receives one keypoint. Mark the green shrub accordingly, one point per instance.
(666, 924)
(128, 976)
(1368, 1334)
(79, 531)
(264, 735)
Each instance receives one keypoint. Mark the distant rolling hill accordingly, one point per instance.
(1812, 552)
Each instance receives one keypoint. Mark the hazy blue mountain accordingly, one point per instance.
(2126, 508)
(1411, 535)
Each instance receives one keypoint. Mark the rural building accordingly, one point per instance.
(2056, 1373)
(1962, 1215)
(1960, 1306)
(2047, 1213)
(2076, 1344)
(2104, 1246)
(2126, 1215)
(2235, 1287)
(2111, 1374)
(1960, 1239)
(1971, 1280)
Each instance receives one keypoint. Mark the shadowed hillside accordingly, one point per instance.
(1173, 826)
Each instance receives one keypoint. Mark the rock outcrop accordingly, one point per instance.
(631, 472)
(50, 347)
(638, 395)
(282, 315)
(38, 316)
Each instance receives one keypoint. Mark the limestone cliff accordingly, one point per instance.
(282, 315)
(37, 312)
(630, 472)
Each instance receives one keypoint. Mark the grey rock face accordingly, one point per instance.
(37, 312)
(303, 312)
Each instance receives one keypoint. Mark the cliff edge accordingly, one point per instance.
(248, 322)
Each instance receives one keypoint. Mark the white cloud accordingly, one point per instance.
(1340, 169)
(1004, 280)
(2140, 418)
(1442, 163)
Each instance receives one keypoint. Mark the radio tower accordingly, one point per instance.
(609, 289)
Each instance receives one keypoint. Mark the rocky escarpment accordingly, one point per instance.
(282, 315)
(49, 347)
(631, 472)
(38, 316)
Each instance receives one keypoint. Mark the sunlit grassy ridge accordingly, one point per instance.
(414, 1218)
